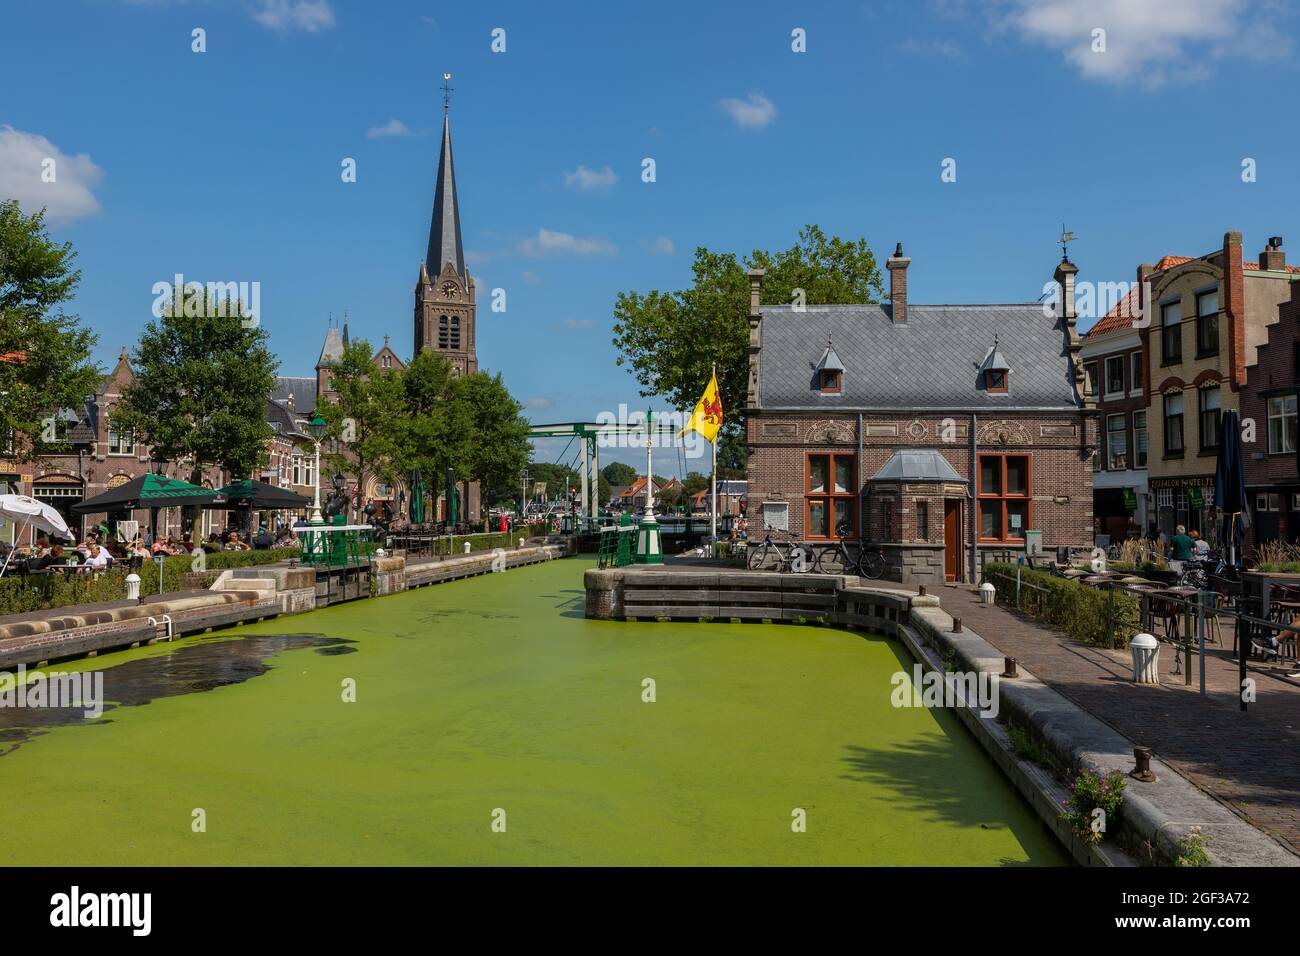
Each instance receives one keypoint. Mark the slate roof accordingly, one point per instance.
(931, 362)
(331, 351)
(303, 390)
(926, 465)
(444, 227)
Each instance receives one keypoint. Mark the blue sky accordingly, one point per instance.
(225, 165)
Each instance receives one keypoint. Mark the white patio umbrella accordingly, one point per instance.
(26, 510)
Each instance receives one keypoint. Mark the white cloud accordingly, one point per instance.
(23, 161)
(550, 243)
(539, 404)
(1149, 42)
(310, 16)
(394, 127)
(754, 113)
(577, 324)
(584, 179)
(662, 246)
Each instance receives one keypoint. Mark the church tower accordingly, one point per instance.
(444, 295)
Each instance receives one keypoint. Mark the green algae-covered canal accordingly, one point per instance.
(495, 694)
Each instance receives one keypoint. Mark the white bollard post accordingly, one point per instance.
(133, 587)
(988, 593)
(1146, 659)
(467, 547)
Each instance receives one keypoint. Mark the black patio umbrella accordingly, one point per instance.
(1230, 483)
(260, 496)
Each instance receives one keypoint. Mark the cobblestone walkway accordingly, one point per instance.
(1249, 762)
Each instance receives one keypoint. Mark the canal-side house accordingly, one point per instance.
(1205, 320)
(943, 433)
(1113, 366)
(1269, 402)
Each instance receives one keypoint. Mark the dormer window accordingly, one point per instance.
(828, 373)
(995, 370)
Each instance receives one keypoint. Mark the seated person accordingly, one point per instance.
(263, 541)
(99, 559)
(1199, 545)
(55, 557)
(234, 544)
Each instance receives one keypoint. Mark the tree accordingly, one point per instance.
(468, 423)
(619, 473)
(44, 352)
(695, 482)
(364, 419)
(671, 339)
(200, 388)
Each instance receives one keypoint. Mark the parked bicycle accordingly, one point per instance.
(789, 556)
(866, 562)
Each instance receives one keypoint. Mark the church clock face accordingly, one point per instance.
(449, 290)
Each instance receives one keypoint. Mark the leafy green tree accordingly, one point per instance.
(618, 473)
(364, 432)
(469, 423)
(44, 352)
(694, 482)
(200, 389)
(495, 445)
(671, 339)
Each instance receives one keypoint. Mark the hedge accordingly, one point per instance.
(41, 593)
(1077, 609)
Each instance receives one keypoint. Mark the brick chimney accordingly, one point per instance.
(1234, 307)
(1064, 276)
(1273, 258)
(897, 265)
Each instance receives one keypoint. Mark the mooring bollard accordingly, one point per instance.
(467, 547)
(988, 593)
(1146, 659)
(956, 625)
(133, 587)
(1009, 671)
(1142, 764)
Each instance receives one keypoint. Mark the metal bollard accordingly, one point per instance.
(1142, 764)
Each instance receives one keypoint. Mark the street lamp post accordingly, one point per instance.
(316, 428)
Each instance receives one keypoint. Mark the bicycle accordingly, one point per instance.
(794, 558)
(868, 563)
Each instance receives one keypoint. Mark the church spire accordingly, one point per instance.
(444, 229)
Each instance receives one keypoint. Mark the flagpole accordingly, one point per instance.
(713, 511)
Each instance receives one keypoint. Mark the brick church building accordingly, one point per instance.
(942, 433)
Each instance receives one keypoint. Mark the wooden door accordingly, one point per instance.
(952, 539)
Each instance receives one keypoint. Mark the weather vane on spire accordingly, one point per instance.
(1066, 239)
(446, 91)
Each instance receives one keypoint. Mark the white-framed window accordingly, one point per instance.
(1115, 376)
(1268, 502)
(1116, 442)
(1136, 379)
(1281, 425)
(304, 470)
(1171, 333)
(121, 441)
